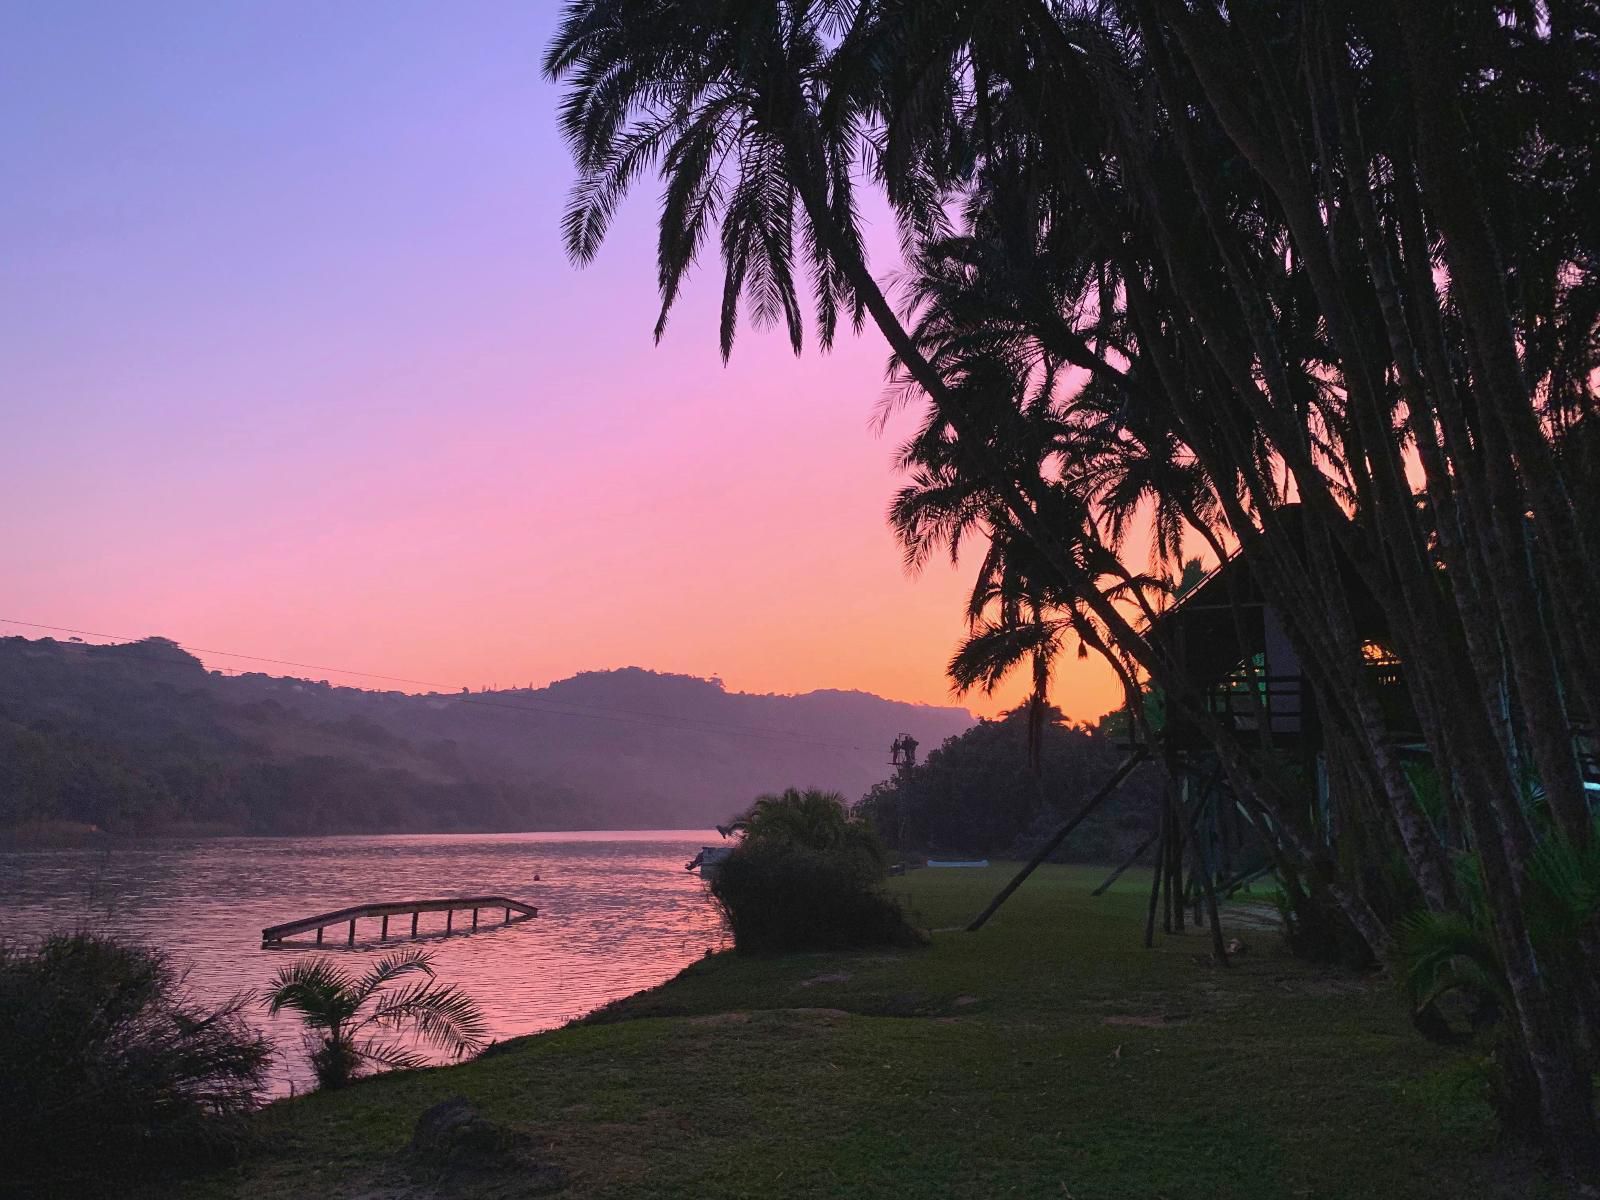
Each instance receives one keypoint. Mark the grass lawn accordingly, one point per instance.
(1048, 1055)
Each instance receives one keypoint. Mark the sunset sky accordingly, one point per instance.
(293, 364)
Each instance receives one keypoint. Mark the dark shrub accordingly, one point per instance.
(779, 897)
(109, 1070)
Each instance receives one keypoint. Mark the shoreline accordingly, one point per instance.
(1049, 1055)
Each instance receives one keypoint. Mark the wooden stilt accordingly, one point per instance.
(1173, 840)
(1156, 877)
(1219, 949)
(508, 916)
(414, 917)
(1249, 877)
(351, 941)
(1166, 891)
(474, 918)
(384, 932)
(319, 935)
(1184, 812)
(1094, 802)
(449, 919)
(1132, 858)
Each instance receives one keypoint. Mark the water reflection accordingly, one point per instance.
(617, 912)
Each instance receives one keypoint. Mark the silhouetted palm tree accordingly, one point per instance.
(354, 1019)
(722, 98)
(1347, 285)
(809, 817)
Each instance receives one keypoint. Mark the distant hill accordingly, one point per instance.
(140, 737)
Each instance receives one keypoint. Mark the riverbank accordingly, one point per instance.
(1049, 1055)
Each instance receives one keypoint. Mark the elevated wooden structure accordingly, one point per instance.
(515, 911)
(1235, 649)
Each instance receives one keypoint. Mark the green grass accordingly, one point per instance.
(1048, 1055)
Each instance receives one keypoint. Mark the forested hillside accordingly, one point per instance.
(141, 737)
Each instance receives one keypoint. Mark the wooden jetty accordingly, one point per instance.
(273, 935)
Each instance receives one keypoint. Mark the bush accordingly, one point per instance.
(110, 1070)
(807, 876)
(782, 898)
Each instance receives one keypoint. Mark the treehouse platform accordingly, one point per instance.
(514, 912)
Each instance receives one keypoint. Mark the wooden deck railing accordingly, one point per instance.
(275, 934)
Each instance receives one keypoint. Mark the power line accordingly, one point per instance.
(624, 715)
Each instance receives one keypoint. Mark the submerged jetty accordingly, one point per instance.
(515, 912)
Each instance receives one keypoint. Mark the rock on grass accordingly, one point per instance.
(454, 1138)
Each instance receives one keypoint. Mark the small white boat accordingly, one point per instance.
(709, 861)
(954, 862)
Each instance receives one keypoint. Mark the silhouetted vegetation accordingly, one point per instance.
(807, 875)
(977, 794)
(1453, 975)
(110, 1070)
(354, 1021)
(1314, 284)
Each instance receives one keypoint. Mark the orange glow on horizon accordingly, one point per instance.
(296, 366)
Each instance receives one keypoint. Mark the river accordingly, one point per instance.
(617, 912)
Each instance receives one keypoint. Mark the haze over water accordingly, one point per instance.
(617, 912)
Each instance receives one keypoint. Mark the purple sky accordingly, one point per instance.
(293, 364)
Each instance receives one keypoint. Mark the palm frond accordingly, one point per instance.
(316, 989)
(993, 651)
(445, 1016)
(391, 967)
(1442, 952)
(387, 1054)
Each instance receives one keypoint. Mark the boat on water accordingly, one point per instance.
(958, 862)
(709, 861)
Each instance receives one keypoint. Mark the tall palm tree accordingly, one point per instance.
(1246, 261)
(723, 98)
(759, 115)
(354, 1020)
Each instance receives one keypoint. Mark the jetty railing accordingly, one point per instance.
(275, 934)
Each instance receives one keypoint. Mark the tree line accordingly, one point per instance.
(1000, 789)
(1314, 283)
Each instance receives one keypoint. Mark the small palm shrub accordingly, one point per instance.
(109, 1068)
(1450, 968)
(355, 1023)
(807, 876)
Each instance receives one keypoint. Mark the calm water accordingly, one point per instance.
(617, 912)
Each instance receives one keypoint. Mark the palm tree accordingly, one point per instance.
(978, 299)
(758, 115)
(811, 819)
(722, 97)
(353, 1020)
(1246, 262)
(1015, 619)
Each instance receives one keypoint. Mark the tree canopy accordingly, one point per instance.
(1314, 283)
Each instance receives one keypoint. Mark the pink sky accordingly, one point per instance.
(294, 366)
